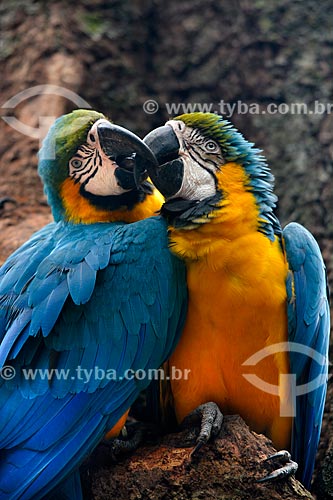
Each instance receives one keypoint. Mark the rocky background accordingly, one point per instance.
(118, 54)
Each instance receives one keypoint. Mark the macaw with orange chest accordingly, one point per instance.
(257, 293)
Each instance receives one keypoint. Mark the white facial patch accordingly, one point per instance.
(201, 157)
(197, 184)
(93, 169)
(104, 182)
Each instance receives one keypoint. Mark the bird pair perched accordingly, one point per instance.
(211, 285)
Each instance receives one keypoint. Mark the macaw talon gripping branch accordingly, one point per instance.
(210, 418)
(289, 467)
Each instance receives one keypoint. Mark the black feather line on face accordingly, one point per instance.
(180, 213)
(114, 202)
(273, 222)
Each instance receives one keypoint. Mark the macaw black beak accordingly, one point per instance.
(132, 155)
(168, 174)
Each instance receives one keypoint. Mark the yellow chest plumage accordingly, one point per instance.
(237, 306)
(235, 311)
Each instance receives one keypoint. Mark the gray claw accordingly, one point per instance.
(289, 469)
(283, 455)
(210, 418)
(119, 446)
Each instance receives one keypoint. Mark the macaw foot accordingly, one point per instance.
(288, 468)
(210, 418)
(128, 440)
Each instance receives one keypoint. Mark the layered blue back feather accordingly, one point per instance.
(109, 296)
(309, 325)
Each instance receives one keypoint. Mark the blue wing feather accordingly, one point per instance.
(96, 297)
(81, 282)
(308, 324)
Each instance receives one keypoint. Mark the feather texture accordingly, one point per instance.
(309, 325)
(93, 298)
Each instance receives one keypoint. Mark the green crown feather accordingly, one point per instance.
(62, 141)
(235, 148)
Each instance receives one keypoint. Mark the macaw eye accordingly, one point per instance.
(92, 137)
(76, 163)
(211, 147)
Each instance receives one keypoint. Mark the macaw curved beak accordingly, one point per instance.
(168, 174)
(132, 155)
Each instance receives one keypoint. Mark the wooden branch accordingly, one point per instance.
(226, 469)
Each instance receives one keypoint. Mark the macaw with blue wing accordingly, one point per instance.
(258, 312)
(85, 303)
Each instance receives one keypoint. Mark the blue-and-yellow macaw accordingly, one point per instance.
(84, 304)
(258, 301)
